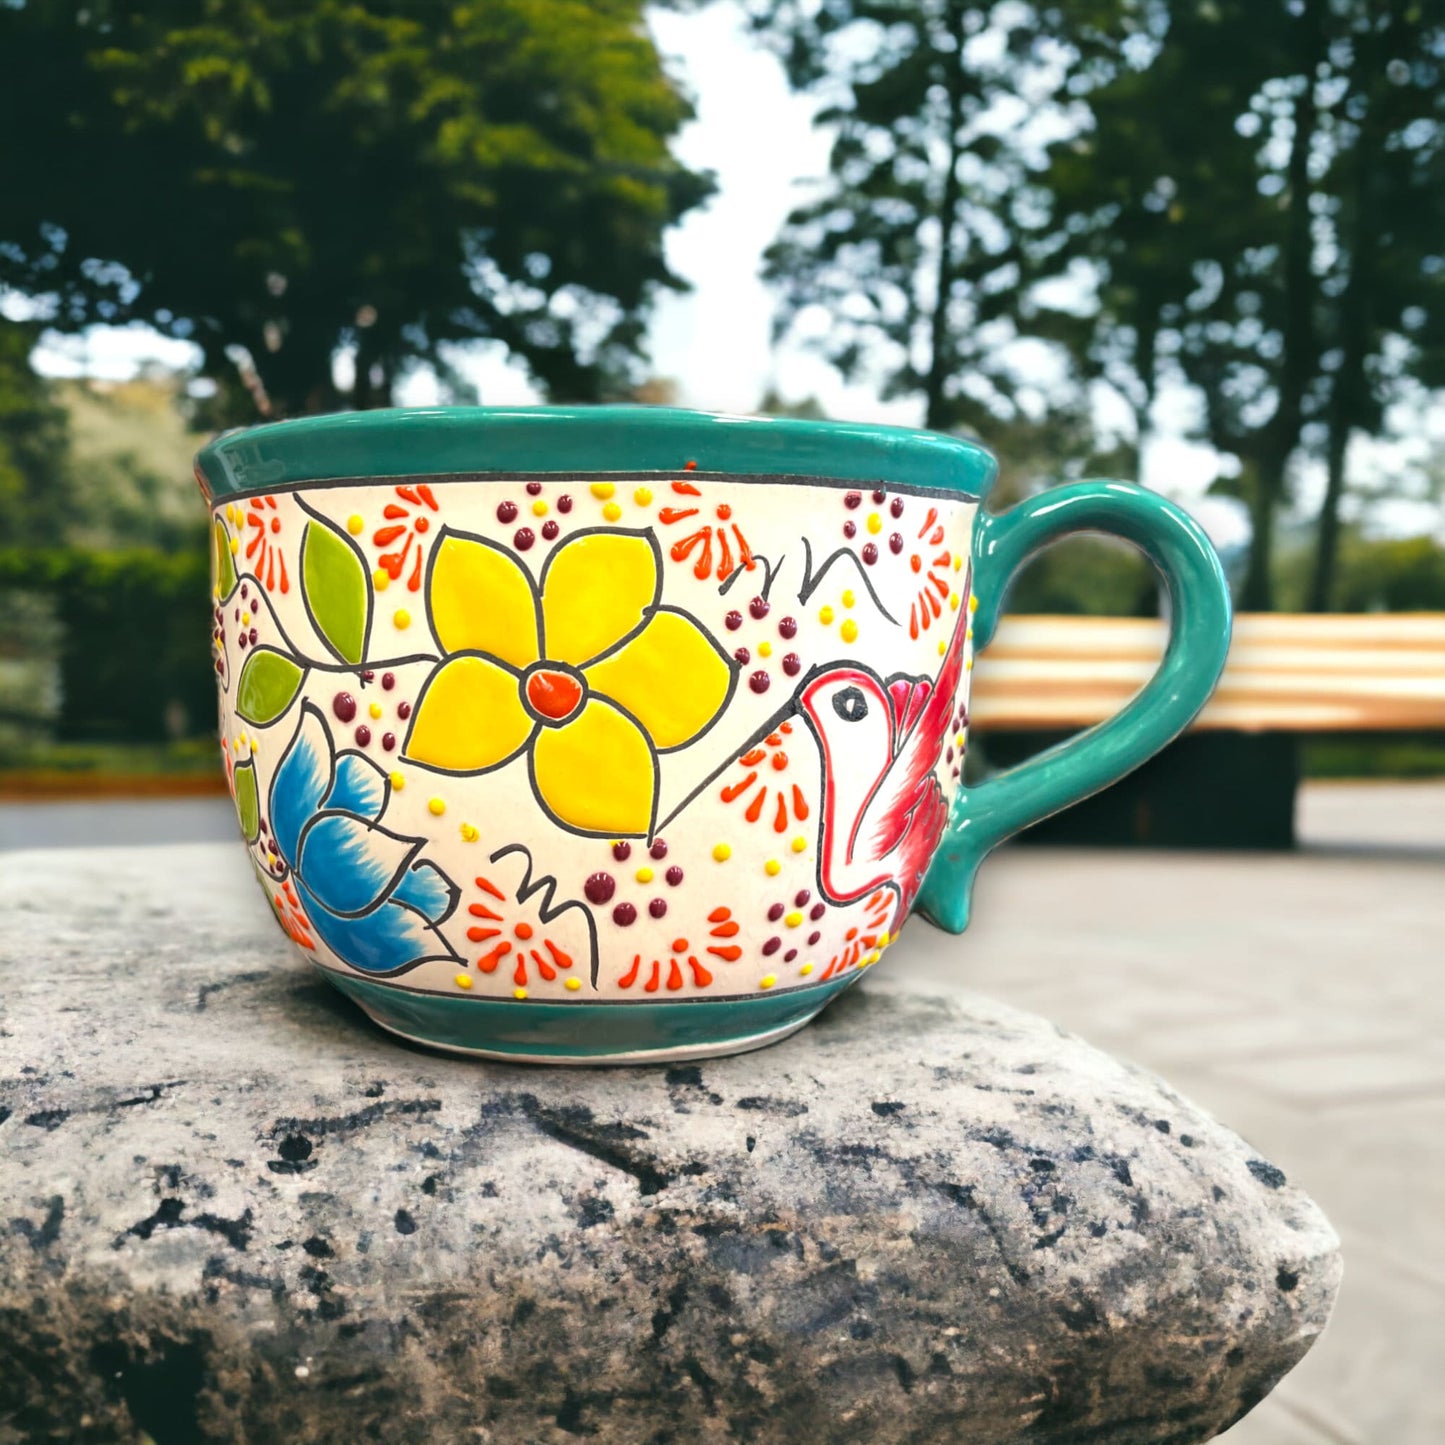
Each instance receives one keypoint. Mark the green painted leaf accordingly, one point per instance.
(268, 685)
(248, 804)
(333, 580)
(225, 565)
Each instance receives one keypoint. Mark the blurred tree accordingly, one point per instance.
(1388, 175)
(1245, 198)
(277, 181)
(34, 447)
(903, 262)
(1261, 221)
(1375, 574)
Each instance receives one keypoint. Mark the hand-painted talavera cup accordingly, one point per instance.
(623, 734)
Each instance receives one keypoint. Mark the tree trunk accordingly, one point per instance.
(936, 407)
(1256, 593)
(372, 385)
(1351, 389)
(1327, 538)
(1299, 361)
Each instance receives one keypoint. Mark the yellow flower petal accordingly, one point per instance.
(481, 600)
(469, 717)
(595, 590)
(597, 774)
(670, 677)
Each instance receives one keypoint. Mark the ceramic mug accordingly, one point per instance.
(618, 734)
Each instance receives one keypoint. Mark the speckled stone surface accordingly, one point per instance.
(231, 1209)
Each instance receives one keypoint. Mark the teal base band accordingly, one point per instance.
(583, 1033)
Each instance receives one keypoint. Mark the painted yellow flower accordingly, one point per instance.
(587, 673)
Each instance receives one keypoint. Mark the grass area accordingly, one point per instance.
(1381, 755)
(112, 769)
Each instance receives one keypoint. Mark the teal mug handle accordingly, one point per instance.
(984, 814)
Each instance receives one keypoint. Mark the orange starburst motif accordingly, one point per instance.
(706, 534)
(524, 946)
(405, 524)
(862, 939)
(764, 767)
(673, 978)
(263, 550)
(290, 916)
(933, 584)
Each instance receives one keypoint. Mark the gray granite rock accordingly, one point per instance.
(231, 1209)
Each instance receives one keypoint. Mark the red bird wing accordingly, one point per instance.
(921, 714)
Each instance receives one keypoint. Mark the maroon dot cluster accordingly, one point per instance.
(344, 705)
(600, 887)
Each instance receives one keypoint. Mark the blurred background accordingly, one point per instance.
(1196, 243)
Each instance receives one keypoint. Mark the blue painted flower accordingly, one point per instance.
(366, 893)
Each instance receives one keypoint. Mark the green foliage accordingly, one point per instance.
(248, 802)
(134, 652)
(1371, 755)
(34, 480)
(1244, 196)
(1088, 576)
(909, 250)
(334, 586)
(1375, 575)
(267, 686)
(399, 175)
(131, 445)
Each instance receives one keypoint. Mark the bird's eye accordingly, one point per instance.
(851, 705)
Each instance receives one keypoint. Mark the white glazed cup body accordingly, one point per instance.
(632, 740)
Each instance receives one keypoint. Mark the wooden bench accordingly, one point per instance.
(1230, 781)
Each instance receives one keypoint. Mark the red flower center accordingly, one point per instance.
(552, 694)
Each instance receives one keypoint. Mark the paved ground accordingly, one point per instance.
(1298, 997)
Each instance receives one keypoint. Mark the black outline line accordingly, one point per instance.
(576, 832)
(445, 531)
(654, 475)
(546, 911)
(813, 580)
(250, 765)
(770, 575)
(315, 903)
(417, 844)
(336, 756)
(297, 654)
(352, 970)
(218, 521)
(316, 519)
(302, 670)
(816, 677)
(544, 665)
(787, 710)
(648, 608)
(733, 666)
(446, 661)
(454, 891)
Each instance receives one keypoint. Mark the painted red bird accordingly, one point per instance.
(883, 808)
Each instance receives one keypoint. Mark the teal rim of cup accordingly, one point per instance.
(587, 441)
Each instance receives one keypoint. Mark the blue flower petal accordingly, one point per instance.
(301, 780)
(428, 890)
(350, 865)
(360, 786)
(387, 940)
